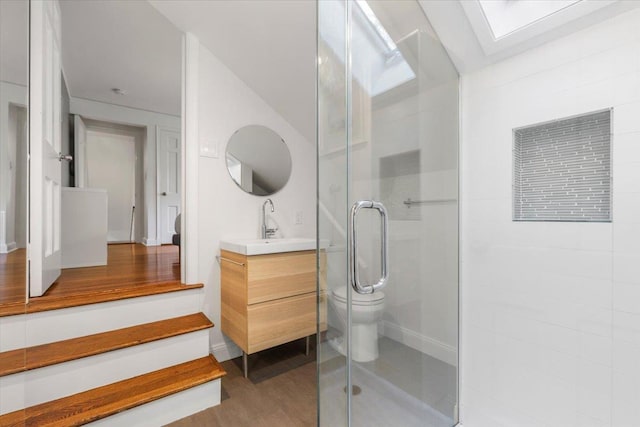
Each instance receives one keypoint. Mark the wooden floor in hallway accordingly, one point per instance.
(131, 264)
(13, 282)
(132, 270)
(280, 391)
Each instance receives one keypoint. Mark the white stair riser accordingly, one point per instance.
(12, 393)
(168, 409)
(57, 325)
(13, 332)
(64, 379)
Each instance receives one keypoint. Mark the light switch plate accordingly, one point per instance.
(209, 149)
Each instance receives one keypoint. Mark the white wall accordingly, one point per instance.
(12, 215)
(111, 165)
(551, 311)
(150, 121)
(224, 211)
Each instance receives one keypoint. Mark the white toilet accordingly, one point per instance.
(367, 310)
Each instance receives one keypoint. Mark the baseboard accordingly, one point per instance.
(225, 351)
(85, 264)
(8, 247)
(150, 242)
(422, 343)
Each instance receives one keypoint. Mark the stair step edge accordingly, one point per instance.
(101, 402)
(39, 356)
(47, 303)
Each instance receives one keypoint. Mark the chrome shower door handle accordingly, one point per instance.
(353, 246)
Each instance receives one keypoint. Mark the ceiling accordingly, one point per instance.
(270, 45)
(14, 41)
(470, 42)
(126, 44)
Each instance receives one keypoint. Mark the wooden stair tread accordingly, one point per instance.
(111, 399)
(12, 308)
(75, 348)
(118, 292)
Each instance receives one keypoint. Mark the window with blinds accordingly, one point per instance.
(562, 170)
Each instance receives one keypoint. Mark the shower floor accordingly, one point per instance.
(415, 388)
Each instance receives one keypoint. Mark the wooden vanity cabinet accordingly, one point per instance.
(268, 300)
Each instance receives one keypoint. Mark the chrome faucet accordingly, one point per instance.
(267, 232)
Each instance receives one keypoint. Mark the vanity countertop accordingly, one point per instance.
(270, 246)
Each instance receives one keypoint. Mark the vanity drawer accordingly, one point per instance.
(281, 275)
(277, 322)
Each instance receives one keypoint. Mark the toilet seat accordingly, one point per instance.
(358, 299)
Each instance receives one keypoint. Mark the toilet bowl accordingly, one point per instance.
(366, 311)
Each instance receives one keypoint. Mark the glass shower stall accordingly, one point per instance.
(388, 207)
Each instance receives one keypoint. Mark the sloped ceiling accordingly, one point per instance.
(469, 48)
(270, 45)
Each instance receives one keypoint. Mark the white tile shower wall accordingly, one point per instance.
(421, 301)
(225, 105)
(551, 311)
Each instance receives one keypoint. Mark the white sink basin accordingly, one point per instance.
(270, 246)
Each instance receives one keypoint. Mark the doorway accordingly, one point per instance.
(106, 108)
(113, 162)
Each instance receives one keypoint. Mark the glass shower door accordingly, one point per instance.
(388, 208)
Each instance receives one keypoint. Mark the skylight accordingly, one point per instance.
(377, 63)
(375, 23)
(507, 16)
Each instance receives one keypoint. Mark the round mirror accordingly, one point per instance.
(258, 160)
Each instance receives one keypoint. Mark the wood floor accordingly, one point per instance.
(132, 270)
(13, 276)
(133, 264)
(280, 391)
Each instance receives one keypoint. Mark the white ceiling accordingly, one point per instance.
(14, 41)
(270, 45)
(470, 42)
(122, 44)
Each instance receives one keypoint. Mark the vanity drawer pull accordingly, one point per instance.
(231, 261)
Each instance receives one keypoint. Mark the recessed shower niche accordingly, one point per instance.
(400, 184)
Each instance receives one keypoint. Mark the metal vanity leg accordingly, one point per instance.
(245, 364)
(307, 345)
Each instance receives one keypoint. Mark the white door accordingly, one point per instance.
(168, 182)
(79, 152)
(45, 125)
